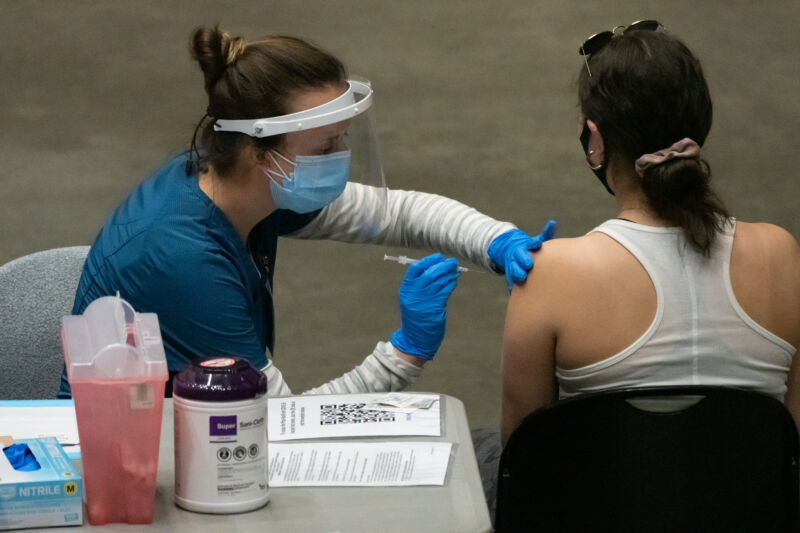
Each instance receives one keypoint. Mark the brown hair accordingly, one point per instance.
(253, 80)
(647, 91)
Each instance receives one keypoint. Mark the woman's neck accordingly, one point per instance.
(243, 197)
(643, 216)
(634, 206)
(632, 203)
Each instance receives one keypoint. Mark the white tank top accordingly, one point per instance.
(700, 334)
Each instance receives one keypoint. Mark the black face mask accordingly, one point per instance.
(599, 172)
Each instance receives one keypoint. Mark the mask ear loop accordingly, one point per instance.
(282, 175)
(191, 166)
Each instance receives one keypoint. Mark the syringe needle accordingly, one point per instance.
(404, 260)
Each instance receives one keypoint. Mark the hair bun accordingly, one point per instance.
(214, 50)
(233, 47)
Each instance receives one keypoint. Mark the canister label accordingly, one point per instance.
(240, 453)
(222, 426)
(221, 456)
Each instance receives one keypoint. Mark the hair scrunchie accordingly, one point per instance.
(683, 149)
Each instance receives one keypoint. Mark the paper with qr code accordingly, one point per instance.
(349, 415)
(367, 464)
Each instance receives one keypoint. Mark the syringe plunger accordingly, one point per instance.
(403, 260)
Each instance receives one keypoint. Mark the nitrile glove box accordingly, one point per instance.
(50, 496)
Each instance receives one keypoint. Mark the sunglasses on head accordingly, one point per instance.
(597, 41)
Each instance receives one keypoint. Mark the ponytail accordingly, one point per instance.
(679, 192)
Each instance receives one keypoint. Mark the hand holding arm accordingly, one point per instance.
(510, 252)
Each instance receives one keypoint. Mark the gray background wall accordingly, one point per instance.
(475, 100)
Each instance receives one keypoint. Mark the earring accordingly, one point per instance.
(597, 167)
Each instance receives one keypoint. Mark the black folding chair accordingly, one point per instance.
(675, 459)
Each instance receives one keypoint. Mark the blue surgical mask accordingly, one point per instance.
(316, 181)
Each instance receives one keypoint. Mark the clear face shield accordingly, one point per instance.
(324, 149)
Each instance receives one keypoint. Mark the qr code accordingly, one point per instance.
(352, 413)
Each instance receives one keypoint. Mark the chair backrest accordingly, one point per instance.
(655, 459)
(36, 290)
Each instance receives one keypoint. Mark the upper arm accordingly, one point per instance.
(529, 341)
(765, 276)
(357, 215)
(765, 272)
(792, 399)
(787, 263)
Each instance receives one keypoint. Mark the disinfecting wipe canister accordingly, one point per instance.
(220, 436)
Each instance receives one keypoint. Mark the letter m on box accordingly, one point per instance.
(222, 425)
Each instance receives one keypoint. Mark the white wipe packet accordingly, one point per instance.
(404, 401)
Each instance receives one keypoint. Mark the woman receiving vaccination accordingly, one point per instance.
(673, 291)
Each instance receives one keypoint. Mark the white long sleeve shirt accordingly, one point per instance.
(406, 218)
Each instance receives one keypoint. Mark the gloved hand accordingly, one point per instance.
(511, 252)
(423, 305)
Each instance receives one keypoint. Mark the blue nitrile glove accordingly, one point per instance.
(21, 458)
(423, 305)
(511, 252)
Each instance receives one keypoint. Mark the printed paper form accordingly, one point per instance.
(349, 415)
(363, 464)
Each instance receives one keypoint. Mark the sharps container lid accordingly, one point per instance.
(224, 379)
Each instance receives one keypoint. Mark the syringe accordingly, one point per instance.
(403, 260)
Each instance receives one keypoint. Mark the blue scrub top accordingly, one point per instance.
(168, 249)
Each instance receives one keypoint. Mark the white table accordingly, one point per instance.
(458, 506)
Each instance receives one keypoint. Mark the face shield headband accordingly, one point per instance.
(341, 108)
(305, 177)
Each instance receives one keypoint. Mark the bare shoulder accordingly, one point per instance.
(767, 243)
(765, 275)
(551, 265)
(555, 252)
(575, 257)
(561, 266)
(564, 252)
(767, 233)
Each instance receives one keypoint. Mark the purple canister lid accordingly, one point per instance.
(223, 379)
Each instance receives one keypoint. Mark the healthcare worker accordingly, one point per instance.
(287, 148)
